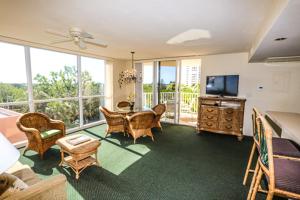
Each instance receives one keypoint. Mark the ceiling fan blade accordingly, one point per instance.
(58, 33)
(86, 35)
(62, 41)
(96, 43)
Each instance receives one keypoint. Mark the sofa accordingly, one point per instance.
(50, 188)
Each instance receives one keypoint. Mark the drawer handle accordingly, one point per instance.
(228, 119)
(210, 110)
(229, 112)
(228, 127)
(210, 117)
(208, 124)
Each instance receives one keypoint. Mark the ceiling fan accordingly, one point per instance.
(78, 36)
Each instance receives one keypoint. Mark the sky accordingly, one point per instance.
(12, 63)
(168, 73)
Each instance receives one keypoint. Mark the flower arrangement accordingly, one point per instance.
(130, 98)
(127, 77)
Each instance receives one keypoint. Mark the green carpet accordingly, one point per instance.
(180, 164)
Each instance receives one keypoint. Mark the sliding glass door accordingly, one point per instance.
(175, 83)
(189, 91)
(166, 90)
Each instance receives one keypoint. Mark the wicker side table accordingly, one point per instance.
(79, 156)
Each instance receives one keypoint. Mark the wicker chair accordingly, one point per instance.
(116, 122)
(123, 104)
(282, 173)
(281, 147)
(140, 124)
(41, 131)
(159, 109)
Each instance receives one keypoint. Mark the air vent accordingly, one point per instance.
(283, 59)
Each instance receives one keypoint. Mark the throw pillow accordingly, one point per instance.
(10, 184)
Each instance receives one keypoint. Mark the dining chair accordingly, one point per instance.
(282, 173)
(115, 122)
(41, 131)
(281, 147)
(140, 124)
(123, 104)
(159, 109)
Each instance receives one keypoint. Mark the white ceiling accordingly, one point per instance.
(287, 26)
(139, 25)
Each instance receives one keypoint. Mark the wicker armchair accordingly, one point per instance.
(41, 131)
(115, 121)
(123, 104)
(159, 109)
(140, 124)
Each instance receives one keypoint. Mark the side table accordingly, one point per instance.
(79, 156)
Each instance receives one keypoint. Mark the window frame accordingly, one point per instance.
(31, 101)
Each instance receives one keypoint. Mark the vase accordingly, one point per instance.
(131, 106)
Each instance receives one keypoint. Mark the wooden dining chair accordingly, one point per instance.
(115, 121)
(159, 109)
(282, 174)
(123, 104)
(281, 147)
(140, 124)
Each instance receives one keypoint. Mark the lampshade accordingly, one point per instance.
(9, 154)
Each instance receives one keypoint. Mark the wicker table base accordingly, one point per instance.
(79, 156)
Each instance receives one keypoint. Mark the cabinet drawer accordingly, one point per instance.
(209, 125)
(209, 117)
(210, 110)
(229, 126)
(229, 119)
(228, 112)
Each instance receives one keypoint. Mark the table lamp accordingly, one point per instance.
(9, 154)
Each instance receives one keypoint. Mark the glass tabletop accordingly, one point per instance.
(127, 110)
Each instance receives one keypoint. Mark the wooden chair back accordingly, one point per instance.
(142, 120)
(159, 109)
(111, 118)
(35, 120)
(255, 114)
(266, 150)
(123, 104)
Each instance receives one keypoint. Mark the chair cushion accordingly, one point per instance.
(287, 176)
(50, 133)
(284, 147)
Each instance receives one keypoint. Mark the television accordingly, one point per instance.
(227, 85)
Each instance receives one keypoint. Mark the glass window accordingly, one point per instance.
(13, 82)
(92, 76)
(91, 111)
(54, 74)
(67, 111)
(147, 84)
(93, 80)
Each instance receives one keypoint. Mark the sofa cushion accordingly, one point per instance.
(50, 133)
(28, 176)
(9, 184)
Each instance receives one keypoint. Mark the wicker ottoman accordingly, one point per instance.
(79, 156)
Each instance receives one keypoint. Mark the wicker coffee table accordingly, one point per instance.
(79, 156)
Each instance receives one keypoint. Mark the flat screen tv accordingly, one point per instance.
(222, 85)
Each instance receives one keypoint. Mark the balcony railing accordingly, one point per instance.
(188, 105)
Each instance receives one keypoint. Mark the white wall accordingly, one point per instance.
(280, 82)
(120, 94)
